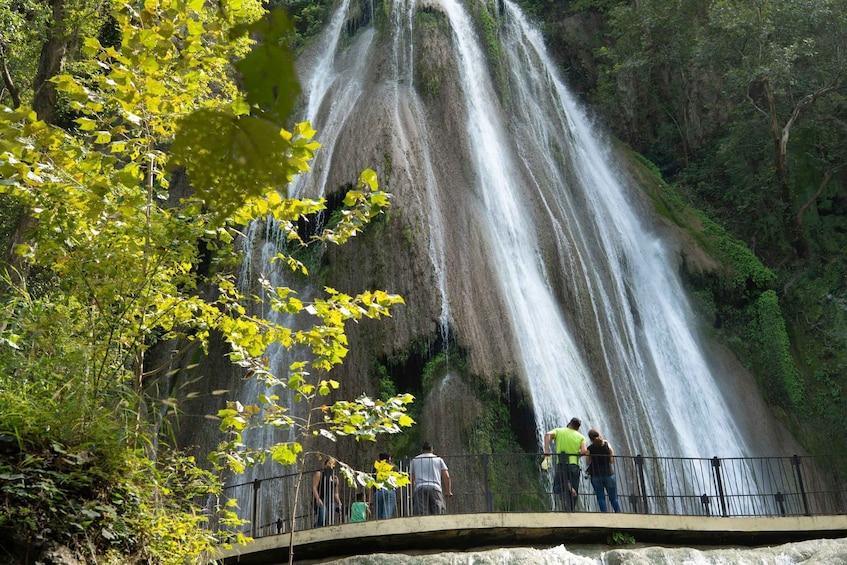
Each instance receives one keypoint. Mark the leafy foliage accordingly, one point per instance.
(117, 236)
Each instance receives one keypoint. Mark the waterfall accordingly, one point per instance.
(410, 130)
(541, 169)
(597, 320)
(263, 241)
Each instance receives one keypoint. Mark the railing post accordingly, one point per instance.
(489, 500)
(633, 501)
(255, 514)
(799, 474)
(639, 466)
(405, 506)
(780, 501)
(716, 465)
(704, 500)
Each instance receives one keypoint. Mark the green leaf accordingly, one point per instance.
(286, 453)
(268, 71)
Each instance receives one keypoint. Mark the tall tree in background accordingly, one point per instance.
(785, 57)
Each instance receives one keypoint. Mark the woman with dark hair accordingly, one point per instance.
(324, 490)
(599, 461)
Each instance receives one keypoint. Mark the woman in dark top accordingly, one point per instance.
(324, 490)
(599, 460)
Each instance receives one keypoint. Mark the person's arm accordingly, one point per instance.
(315, 482)
(588, 464)
(337, 497)
(611, 453)
(547, 437)
(582, 449)
(445, 480)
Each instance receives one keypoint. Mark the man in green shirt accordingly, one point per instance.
(570, 446)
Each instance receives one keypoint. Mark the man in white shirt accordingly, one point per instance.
(428, 473)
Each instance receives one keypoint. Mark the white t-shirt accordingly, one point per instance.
(427, 468)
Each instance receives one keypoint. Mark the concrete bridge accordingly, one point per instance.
(469, 531)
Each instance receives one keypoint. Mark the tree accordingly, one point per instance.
(652, 88)
(116, 270)
(784, 57)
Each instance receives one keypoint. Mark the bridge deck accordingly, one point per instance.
(468, 531)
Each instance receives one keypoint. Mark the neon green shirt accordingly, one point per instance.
(568, 441)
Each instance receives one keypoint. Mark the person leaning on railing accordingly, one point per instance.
(599, 462)
(428, 473)
(570, 445)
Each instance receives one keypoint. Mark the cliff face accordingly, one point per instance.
(414, 143)
(537, 276)
(414, 121)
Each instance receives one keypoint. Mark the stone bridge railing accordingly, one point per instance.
(729, 487)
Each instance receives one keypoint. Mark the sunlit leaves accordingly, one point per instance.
(233, 160)
(135, 264)
(365, 418)
(385, 477)
(285, 453)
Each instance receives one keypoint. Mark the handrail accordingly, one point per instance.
(729, 487)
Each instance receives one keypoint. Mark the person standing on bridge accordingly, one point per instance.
(325, 489)
(599, 467)
(384, 497)
(570, 446)
(428, 473)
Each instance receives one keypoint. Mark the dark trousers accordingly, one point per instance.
(566, 485)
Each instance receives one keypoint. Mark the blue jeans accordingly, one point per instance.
(320, 513)
(385, 502)
(610, 485)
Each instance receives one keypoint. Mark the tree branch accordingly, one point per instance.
(14, 93)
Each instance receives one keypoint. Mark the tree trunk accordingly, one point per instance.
(50, 64)
(792, 222)
(44, 103)
(14, 93)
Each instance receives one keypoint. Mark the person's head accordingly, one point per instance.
(384, 456)
(575, 423)
(595, 437)
(426, 447)
(360, 497)
(329, 462)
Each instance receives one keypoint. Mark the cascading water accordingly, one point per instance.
(540, 168)
(409, 123)
(595, 314)
(815, 551)
(265, 243)
(659, 379)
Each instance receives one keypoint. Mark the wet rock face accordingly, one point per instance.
(407, 119)
(397, 254)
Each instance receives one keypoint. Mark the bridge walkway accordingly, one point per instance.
(459, 532)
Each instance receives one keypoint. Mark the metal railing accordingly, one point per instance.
(736, 487)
